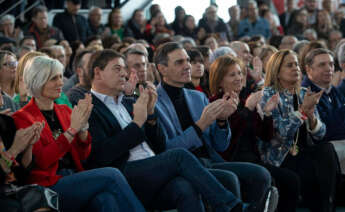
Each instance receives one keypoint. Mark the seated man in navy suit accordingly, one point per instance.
(189, 122)
(126, 135)
(331, 106)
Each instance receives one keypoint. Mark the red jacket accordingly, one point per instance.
(46, 150)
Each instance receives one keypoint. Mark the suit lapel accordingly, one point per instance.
(168, 108)
(106, 114)
(193, 109)
(63, 119)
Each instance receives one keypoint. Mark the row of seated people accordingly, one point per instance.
(273, 130)
(159, 183)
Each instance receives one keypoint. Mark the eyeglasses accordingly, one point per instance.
(12, 64)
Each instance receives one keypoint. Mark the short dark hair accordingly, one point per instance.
(195, 55)
(92, 38)
(77, 62)
(204, 50)
(161, 55)
(100, 59)
(38, 9)
(309, 58)
(28, 37)
(135, 11)
(109, 40)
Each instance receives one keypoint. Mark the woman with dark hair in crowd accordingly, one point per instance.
(296, 126)
(156, 26)
(137, 24)
(255, 48)
(76, 46)
(323, 24)
(266, 52)
(250, 126)
(197, 70)
(299, 23)
(177, 24)
(189, 27)
(64, 143)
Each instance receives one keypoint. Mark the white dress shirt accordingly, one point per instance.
(119, 111)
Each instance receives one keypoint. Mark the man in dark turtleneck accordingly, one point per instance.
(188, 121)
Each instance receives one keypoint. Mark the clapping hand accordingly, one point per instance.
(272, 103)
(81, 113)
(230, 105)
(311, 99)
(26, 137)
(253, 100)
(132, 82)
(152, 97)
(256, 72)
(6, 112)
(140, 107)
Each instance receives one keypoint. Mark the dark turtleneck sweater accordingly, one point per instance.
(178, 99)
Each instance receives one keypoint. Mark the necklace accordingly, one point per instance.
(51, 120)
(294, 149)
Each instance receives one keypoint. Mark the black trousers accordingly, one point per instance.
(288, 184)
(317, 169)
(9, 205)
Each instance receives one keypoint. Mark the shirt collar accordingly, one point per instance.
(105, 98)
(327, 90)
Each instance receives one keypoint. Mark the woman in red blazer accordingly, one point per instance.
(64, 143)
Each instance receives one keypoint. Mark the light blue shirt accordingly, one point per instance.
(260, 27)
(139, 152)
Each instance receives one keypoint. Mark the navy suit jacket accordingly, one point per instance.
(111, 144)
(332, 113)
(216, 138)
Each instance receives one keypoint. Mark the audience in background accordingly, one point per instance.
(94, 19)
(73, 26)
(40, 29)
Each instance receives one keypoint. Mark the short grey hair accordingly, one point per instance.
(224, 50)
(311, 31)
(237, 45)
(58, 47)
(299, 45)
(138, 46)
(93, 8)
(39, 71)
(188, 40)
(7, 17)
(252, 2)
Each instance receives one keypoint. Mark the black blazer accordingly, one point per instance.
(111, 144)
